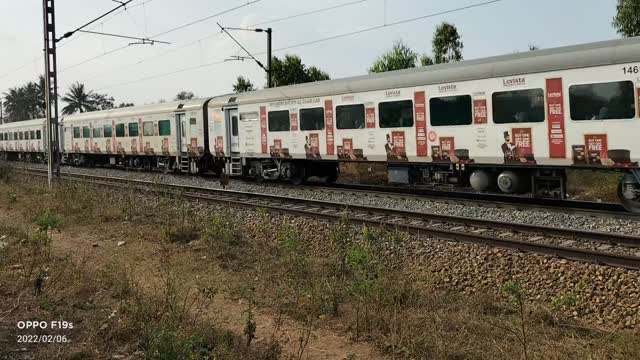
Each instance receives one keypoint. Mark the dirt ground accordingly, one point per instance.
(143, 277)
(148, 260)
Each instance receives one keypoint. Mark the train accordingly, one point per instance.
(512, 124)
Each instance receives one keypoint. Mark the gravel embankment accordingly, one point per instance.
(537, 217)
(598, 295)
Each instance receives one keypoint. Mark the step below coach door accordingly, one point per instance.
(233, 130)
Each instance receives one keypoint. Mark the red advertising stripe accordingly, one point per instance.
(263, 129)
(421, 124)
(371, 118)
(328, 114)
(294, 121)
(480, 111)
(597, 147)
(523, 141)
(555, 115)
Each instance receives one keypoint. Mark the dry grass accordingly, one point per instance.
(350, 280)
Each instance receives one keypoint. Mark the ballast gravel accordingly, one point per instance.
(533, 216)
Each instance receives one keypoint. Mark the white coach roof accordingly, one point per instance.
(22, 124)
(564, 58)
(175, 106)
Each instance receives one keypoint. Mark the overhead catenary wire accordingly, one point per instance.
(39, 58)
(70, 33)
(218, 62)
(161, 34)
(243, 48)
(144, 40)
(185, 45)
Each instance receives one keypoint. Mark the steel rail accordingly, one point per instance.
(411, 222)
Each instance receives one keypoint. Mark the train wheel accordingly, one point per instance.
(629, 193)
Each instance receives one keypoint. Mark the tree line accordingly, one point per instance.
(27, 101)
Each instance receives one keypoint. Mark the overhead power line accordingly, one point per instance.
(143, 40)
(218, 62)
(206, 18)
(70, 33)
(386, 25)
(161, 34)
(39, 57)
(217, 33)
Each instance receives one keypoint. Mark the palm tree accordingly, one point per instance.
(14, 104)
(243, 85)
(78, 100)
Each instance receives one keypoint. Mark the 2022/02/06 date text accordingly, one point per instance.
(43, 325)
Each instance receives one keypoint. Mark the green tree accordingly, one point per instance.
(78, 100)
(426, 60)
(627, 19)
(103, 101)
(291, 70)
(126, 104)
(447, 44)
(243, 85)
(398, 58)
(185, 95)
(25, 102)
(315, 74)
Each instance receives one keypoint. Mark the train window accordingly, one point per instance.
(312, 119)
(108, 131)
(21, 135)
(120, 130)
(86, 133)
(234, 125)
(26, 135)
(15, 136)
(133, 129)
(350, 117)
(76, 132)
(604, 101)
(279, 120)
(164, 127)
(451, 110)
(396, 114)
(147, 128)
(96, 133)
(38, 134)
(32, 135)
(519, 106)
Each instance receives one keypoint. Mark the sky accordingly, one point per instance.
(194, 61)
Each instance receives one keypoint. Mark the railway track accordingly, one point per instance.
(484, 200)
(586, 246)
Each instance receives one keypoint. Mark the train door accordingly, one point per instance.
(233, 131)
(181, 129)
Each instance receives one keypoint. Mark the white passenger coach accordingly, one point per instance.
(512, 124)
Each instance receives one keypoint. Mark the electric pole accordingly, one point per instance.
(269, 73)
(51, 75)
(51, 92)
